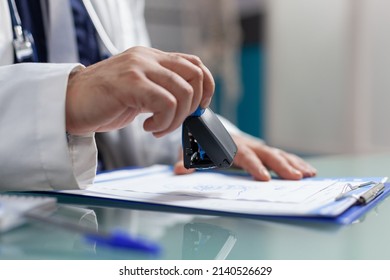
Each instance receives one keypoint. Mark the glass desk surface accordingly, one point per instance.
(187, 236)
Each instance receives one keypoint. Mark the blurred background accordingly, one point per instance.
(308, 76)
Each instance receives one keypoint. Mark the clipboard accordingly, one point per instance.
(348, 215)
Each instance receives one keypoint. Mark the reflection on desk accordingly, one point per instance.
(41, 240)
(187, 236)
(206, 241)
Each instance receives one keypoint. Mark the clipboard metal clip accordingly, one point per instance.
(366, 196)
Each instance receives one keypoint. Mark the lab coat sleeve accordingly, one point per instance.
(35, 152)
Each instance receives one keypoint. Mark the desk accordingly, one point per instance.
(186, 236)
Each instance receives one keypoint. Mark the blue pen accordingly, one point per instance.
(116, 239)
(122, 240)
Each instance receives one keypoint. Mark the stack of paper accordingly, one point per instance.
(228, 192)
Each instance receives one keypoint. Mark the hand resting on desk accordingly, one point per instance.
(255, 157)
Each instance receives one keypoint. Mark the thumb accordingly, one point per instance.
(179, 168)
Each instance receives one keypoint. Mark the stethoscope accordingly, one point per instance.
(107, 43)
(24, 42)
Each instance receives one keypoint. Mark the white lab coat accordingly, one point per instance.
(34, 150)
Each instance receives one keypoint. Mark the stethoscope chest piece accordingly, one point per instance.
(23, 41)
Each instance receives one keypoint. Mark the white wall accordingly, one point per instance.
(372, 75)
(328, 75)
(308, 75)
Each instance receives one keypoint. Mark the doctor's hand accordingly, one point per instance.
(257, 158)
(110, 94)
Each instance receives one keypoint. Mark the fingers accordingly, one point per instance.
(286, 165)
(299, 164)
(253, 156)
(182, 93)
(109, 94)
(188, 81)
(199, 89)
(208, 80)
(147, 96)
(247, 159)
(190, 72)
(277, 162)
(179, 168)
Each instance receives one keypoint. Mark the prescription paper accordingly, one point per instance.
(222, 192)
